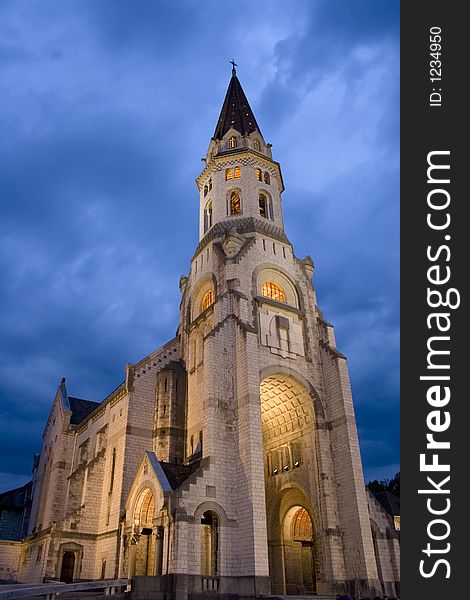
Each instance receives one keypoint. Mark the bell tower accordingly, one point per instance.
(241, 179)
(278, 487)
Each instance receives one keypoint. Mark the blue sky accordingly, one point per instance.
(106, 108)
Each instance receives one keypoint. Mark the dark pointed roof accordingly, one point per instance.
(80, 409)
(236, 112)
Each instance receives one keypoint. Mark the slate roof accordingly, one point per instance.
(390, 502)
(15, 499)
(80, 409)
(177, 474)
(236, 111)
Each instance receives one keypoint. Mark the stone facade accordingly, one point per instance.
(228, 460)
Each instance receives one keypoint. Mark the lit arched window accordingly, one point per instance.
(258, 174)
(207, 300)
(210, 543)
(235, 203)
(237, 172)
(232, 143)
(208, 216)
(228, 174)
(266, 178)
(273, 290)
(256, 145)
(263, 206)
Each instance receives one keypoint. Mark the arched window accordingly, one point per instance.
(208, 216)
(266, 178)
(228, 174)
(237, 172)
(206, 189)
(235, 204)
(263, 206)
(207, 300)
(256, 145)
(258, 174)
(232, 143)
(273, 290)
(210, 543)
(210, 184)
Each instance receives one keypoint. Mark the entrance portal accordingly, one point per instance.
(299, 562)
(143, 522)
(68, 566)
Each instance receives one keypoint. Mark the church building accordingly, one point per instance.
(228, 460)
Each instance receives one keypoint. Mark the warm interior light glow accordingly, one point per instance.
(207, 300)
(235, 204)
(258, 174)
(274, 291)
(228, 174)
(263, 206)
(237, 172)
(232, 143)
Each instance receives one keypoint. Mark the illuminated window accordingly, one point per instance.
(274, 291)
(235, 204)
(258, 174)
(208, 216)
(256, 145)
(266, 178)
(237, 172)
(232, 143)
(263, 206)
(207, 300)
(228, 174)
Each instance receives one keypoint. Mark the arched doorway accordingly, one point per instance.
(143, 527)
(298, 544)
(287, 414)
(68, 566)
(209, 543)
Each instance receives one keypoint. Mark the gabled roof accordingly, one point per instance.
(80, 409)
(236, 112)
(177, 474)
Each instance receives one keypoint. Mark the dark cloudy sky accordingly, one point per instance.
(107, 106)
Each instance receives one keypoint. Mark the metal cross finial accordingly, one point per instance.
(234, 64)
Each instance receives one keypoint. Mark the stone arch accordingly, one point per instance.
(231, 190)
(210, 518)
(262, 191)
(294, 553)
(136, 497)
(211, 506)
(300, 305)
(318, 407)
(207, 282)
(143, 515)
(286, 408)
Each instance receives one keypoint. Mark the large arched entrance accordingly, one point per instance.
(143, 527)
(299, 565)
(289, 458)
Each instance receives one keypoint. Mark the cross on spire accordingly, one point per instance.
(234, 64)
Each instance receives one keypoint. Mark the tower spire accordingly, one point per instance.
(236, 111)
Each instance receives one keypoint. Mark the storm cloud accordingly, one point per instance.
(105, 110)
